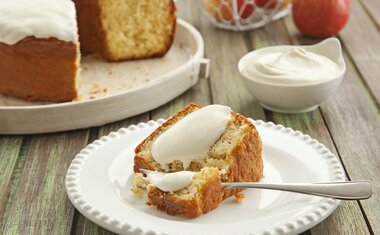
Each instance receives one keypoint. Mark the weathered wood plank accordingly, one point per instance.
(38, 203)
(9, 152)
(373, 8)
(187, 10)
(354, 122)
(361, 37)
(313, 124)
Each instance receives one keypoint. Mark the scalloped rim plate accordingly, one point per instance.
(99, 180)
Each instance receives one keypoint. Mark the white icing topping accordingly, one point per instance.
(291, 66)
(171, 182)
(191, 137)
(38, 18)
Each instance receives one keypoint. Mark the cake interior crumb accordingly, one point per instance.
(239, 197)
(216, 156)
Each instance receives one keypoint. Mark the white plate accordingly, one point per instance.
(120, 90)
(99, 180)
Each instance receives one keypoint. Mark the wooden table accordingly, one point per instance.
(32, 167)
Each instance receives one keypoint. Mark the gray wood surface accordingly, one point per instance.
(357, 139)
(9, 154)
(373, 9)
(361, 37)
(37, 203)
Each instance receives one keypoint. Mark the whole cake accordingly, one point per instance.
(39, 46)
(211, 144)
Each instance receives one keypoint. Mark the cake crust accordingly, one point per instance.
(209, 197)
(39, 69)
(244, 160)
(91, 33)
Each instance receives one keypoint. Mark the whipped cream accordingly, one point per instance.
(190, 138)
(38, 18)
(291, 66)
(171, 182)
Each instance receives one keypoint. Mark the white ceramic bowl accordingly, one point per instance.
(293, 98)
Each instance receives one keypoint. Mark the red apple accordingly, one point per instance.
(321, 18)
(248, 8)
(272, 4)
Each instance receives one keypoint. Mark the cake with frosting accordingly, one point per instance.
(39, 43)
(39, 49)
(197, 149)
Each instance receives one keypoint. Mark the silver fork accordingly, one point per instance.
(348, 190)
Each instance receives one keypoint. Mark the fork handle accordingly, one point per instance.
(349, 190)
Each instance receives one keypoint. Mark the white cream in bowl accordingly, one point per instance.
(293, 79)
(291, 66)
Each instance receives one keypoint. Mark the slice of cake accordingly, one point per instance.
(203, 194)
(126, 29)
(39, 50)
(221, 146)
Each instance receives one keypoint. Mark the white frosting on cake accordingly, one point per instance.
(171, 182)
(38, 18)
(190, 138)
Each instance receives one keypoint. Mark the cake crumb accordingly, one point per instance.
(138, 191)
(239, 197)
(95, 89)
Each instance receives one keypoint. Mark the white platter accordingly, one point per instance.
(99, 180)
(110, 92)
